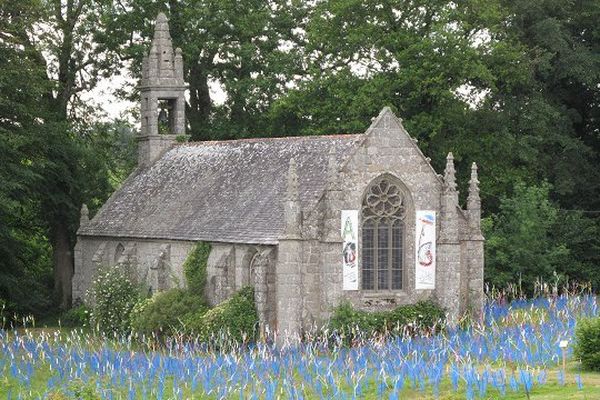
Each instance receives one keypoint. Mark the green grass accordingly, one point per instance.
(552, 390)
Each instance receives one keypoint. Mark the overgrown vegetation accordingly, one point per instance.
(587, 342)
(185, 311)
(195, 268)
(166, 313)
(76, 317)
(530, 241)
(235, 317)
(112, 297)
(421, 317)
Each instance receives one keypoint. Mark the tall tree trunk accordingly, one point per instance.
(63, 262)
(199, 107)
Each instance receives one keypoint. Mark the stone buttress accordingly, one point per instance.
(289, 266)
(475, 253)
(448, 246)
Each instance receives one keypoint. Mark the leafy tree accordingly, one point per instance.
(531, 239)
(364, 55)
(538, 118)
(57, 41)
(24, 278)
(562, 43)
(247, 47)
(581, 235)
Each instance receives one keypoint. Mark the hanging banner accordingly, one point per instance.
(425, 250)
(350, 249)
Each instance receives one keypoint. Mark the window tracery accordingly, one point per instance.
(383, 212)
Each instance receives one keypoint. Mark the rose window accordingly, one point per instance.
(382, 229)
(384, 200)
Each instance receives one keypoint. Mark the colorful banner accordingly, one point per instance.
(425, 250)
(350, 249)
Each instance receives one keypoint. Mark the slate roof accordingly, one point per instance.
(224, 191)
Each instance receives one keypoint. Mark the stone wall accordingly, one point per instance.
(298, 282)
(159, 263)
(233, 266)
(388, 149)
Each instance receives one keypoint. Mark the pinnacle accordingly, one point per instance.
(161, 18)
(473, 185)
(161, 27)
(474, 177)
(85, 215)
(450, 173)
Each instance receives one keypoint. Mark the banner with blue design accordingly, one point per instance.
(425, 250)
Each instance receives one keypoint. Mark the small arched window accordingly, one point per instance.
(383, 212)
(118, 253)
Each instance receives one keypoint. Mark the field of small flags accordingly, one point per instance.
(513, 353)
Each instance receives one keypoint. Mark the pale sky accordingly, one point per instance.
(114, 107)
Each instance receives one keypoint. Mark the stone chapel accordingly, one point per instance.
(307, 221)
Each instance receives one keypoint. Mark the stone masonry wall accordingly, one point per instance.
(94, 252)
(388, 149)
(229, 268)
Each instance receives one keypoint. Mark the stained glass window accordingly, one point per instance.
(383, 213)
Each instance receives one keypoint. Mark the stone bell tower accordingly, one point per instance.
(162, 91)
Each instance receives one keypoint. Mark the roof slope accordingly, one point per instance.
(226, 191)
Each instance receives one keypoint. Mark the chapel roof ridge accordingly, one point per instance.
(269, 139)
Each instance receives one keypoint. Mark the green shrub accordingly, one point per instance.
(166, 312)
(76, 316)
(587, 343)
(235, 317)
(112, 296)
(424, 316)
(347, 318)
(194, 268)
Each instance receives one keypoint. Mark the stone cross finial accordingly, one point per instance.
(84, 216)
(450, 173)
(473, 199)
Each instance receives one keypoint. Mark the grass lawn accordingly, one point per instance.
(551, 390)
(518, 346)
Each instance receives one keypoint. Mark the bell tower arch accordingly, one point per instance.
(162, 96)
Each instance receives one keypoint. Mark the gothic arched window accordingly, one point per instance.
(119, 252)
(383, 211)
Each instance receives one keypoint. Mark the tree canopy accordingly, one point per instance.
(513, 85)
